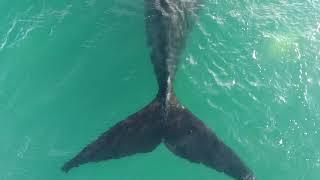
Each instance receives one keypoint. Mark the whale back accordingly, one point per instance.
(167, 24)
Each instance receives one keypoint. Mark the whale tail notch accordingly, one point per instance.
(182, 133)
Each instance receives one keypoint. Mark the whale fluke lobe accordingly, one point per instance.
(188, 137)
(139, 133)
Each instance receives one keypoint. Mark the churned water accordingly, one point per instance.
(69, 70)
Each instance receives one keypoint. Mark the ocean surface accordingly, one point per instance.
(69, 70)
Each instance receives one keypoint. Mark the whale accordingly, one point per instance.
(165, 120)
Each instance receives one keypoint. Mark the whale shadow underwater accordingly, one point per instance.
(165, 120)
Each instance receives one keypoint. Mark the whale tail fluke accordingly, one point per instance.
(139, 133)
(182, 132)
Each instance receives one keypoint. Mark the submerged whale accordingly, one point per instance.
(165, 120)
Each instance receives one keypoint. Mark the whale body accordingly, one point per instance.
(165, 120)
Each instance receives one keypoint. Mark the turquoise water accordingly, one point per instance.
(70, 70)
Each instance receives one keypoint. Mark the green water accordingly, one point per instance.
(69, 70)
